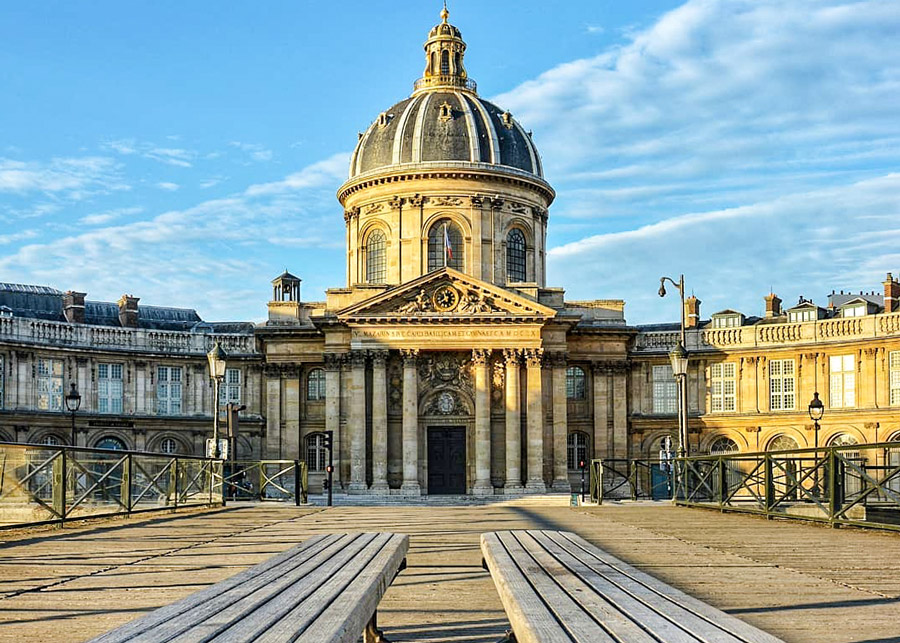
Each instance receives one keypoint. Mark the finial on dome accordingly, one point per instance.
(444, 13)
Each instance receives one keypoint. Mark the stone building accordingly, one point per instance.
(445, 363)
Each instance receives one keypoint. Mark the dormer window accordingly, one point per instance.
(804, 315)
(730, 321)
(854, 311)
(383, 119)
(446, 111)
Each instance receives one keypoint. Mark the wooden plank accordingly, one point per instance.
(603, 607)
(262, 602)
(520, 600)
(677, 601)
(169, 612)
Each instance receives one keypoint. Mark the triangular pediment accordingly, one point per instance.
(446, 294)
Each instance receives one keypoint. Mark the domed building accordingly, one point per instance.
(445, 364)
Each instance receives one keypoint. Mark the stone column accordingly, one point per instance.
(273, 412)
(557, 362)
(619, 445)
(481, 360)
(513, 357)
(601, 441)
(535, 421)
(290, 441)
(333, 410)
(379, 421)
(357, 422)
(410, 424)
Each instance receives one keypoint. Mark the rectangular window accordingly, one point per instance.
(722, 387)
(50, 384)
(843, 381)
(665, 392)
(109, 388)
(782, 384)
(2, 373)
(895, 377)
(726, 322)
(168, 390)
(803, 316)
(854, 311)
(230, 389)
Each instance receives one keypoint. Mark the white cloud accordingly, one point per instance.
(73, 178)
(176, 156)
(327, 171)
(17, 236)
(167, 186)
(100, 218)
(256, 151)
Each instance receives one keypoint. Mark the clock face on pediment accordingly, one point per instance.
(444, 293)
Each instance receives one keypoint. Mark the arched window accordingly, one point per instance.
(782, 443)
(574, 383)
(445, 63)
(842, 440)
(576, 449)
(722, 446)
(109, 442)
(315, 385)
(445, 233)
(316, 453)
(515, 256)
(51, 440)
(376, 261)
(168, 445)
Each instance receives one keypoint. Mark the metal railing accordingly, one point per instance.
(41, 484)
(267, 480)
(853, 485)
(631, 479)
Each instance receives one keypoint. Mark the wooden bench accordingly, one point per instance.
(556, 587)
(324, 590)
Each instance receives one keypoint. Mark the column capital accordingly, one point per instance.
(556, 359)
(610, 367)
(533, 357)
(512, 356)
(379, 358)
(409, 355)
(334, 361)
(396, 202)
(481, 356)
(357, 358)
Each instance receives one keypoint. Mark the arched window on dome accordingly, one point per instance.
(439, 255)
(376, 263)
(515, 256)
(445, 63)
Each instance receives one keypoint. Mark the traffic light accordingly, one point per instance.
(326, 484)
(581, 464)
(329, 469)
(329, 440)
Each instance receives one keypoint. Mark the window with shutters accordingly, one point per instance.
(842, 389)
(168, 390)
(722, 387)
(665, 391)
(109, 388)
(782, 385)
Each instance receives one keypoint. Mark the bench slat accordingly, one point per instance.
(703, 612)
(260, 606)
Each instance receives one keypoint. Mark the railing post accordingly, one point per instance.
(125, 484)
(769, 483)
(59, 486)
(835, 501)
(173, 482)
(723, 483)
(297, 491)
(632, 479)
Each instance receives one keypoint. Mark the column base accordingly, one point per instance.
(535, 486)
(513, 489)
(411, 489)
(483, 489)
(380, 488)
(561, 486)
(357, 488)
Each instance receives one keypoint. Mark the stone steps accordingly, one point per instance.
(524, 500)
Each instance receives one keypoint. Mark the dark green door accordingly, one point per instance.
(446, 460)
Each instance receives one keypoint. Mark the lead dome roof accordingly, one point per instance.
(445, 121)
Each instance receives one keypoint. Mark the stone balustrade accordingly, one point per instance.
(51, 333)
(773, 335)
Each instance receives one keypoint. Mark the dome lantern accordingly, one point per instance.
(444, 54)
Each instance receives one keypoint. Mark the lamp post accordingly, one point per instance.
(73, 403)
(217, 362)
(679, 359)
(816, 411)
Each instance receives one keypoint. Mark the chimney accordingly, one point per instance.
(691, 312)
(891, 294)
(128, 311)
(73, 306)
(773, 305)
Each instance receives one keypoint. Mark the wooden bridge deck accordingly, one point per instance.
(797, 581)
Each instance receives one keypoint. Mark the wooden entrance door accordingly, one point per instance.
(446, 460)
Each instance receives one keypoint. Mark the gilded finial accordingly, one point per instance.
(444, 13)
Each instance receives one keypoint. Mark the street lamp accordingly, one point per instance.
(816, 411)
(217, 362)
(73, 403)
(679, 359)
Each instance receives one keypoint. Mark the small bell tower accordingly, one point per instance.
(444, 54)
(285, 306)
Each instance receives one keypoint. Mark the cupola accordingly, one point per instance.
(444, 54)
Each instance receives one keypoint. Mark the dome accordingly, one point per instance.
(441, 125)
(445, 121)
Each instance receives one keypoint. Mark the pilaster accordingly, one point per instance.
(557, 362)
(357, 422)
(410, 423)
(535, 421)
(379, 421)
(481, 363)
(513, 358)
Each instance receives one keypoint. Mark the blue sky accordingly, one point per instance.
(189, 152)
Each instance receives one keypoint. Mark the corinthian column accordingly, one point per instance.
(481, 362)
(379, 421)
(560, 423)
(357, 422)
(535, 421)
(333, 409)
(513, 357)
(410, 424)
